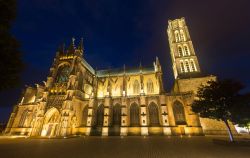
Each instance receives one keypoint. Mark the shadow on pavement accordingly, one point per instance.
(242, 142)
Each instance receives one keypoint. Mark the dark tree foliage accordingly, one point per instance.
(217, 100)
(241, 116)
(10, 57)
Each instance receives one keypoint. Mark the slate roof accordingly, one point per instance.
(127, 71)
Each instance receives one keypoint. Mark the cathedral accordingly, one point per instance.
(79, 100)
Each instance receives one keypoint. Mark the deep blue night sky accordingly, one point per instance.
(128, 32)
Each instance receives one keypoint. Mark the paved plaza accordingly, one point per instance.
(123, 147)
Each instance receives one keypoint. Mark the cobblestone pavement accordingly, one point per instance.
(123, 147)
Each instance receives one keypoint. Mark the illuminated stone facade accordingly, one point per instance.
(76, 99)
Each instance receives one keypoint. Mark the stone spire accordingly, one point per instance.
(140, 67)
(81, 46)
(71, 48)
(124, 69)
(157, 63)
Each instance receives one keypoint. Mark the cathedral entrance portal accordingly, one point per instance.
(50, 126)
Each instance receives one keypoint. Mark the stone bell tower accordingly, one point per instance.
(184, 59)
(187, 73)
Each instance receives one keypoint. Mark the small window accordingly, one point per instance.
(187, 66)
(179, 113)
(186, 51)
(182, 67)
(177, 36)
(193, 68)
(180, 51)
(182, 35)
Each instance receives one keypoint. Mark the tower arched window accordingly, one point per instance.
(182, 67)
(136, 87)
(134, 115)
(180, 51)
(150, 86)
(187, 66)
(153, 115)
(179, 113)
(186, 50)
(182, 35)
(177, 36)
(193, 67)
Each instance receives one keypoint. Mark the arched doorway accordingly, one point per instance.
(179, 113)
(51, 121)
(134, 115)
(153, 115)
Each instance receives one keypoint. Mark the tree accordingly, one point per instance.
(241, 116)
(10, 57)
(217, 99)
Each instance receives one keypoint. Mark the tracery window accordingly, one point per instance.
(134, 115)
(153, 114)
(150, 86)
(136, 87)
(179, 113)
(63, 74)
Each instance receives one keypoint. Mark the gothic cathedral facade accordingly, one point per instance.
(79, 100)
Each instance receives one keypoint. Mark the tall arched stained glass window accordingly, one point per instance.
(117, 115)
(134, 115)
(153, 114)
(179, 113)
